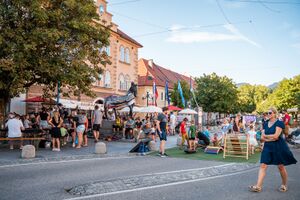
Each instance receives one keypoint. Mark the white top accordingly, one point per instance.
(97, 117)
(252, 134)
(14, 128)
(173, 119)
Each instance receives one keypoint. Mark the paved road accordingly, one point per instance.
(131, 177)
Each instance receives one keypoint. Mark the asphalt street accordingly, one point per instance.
(142, 177)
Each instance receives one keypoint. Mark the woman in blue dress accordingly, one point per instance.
(275, 152)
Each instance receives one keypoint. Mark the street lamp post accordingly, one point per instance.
(147, 96)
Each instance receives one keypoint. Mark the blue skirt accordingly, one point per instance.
(277, 153)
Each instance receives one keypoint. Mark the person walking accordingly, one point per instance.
(161, 125)
(172, 123)
(275, 152)
(97, 121)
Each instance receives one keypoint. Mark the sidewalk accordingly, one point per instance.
(114, 149)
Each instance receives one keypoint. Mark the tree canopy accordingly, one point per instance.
(286, 94)
(216, 93)
(46, 41)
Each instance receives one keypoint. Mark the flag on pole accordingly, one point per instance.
(181, 94)
(192, 91)
(155, 93)
(167, 98)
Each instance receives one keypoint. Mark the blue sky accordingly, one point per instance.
(261, 45)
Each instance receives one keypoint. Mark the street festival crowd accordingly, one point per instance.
(265, 134)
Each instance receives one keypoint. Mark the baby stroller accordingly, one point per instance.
(294, 138)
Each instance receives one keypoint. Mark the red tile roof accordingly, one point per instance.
(127, 37)
(161, 75)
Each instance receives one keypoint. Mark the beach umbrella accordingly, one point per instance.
(126, 109)
(151, 109)
(175, 108)
(188, 112)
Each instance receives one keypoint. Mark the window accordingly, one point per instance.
(100, 80)
(127, 55)
(162, 96)
(127, 82)
(122, 85)
(122, 54)
(101, 9)
(107, 79)
(107, 50)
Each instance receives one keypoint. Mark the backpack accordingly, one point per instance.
(291, 122)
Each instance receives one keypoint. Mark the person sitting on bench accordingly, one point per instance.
(14, 125)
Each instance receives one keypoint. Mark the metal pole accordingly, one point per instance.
(58, 92)
(147, 96)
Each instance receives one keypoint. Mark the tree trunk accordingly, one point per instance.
(4, 110)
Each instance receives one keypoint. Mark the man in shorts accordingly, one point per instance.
(161, 125)
(96, 121)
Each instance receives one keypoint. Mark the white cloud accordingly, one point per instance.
(237, 33)
(180, 35)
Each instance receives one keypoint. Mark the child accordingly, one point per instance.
(184, 135)
(252, 138)
(192, 135)
(215, 140)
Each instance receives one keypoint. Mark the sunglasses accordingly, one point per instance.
(270, 113)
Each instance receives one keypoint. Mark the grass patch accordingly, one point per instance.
(200, 155)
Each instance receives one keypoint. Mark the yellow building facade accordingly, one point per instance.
(116, 77)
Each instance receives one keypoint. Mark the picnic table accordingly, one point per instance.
(34, 135)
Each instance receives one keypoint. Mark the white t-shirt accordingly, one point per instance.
(14, 128)
(173, 119)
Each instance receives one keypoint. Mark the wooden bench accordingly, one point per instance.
(37, 139)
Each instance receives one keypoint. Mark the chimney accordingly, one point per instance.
(150, 63)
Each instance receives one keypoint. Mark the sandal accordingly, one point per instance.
(283, 188)
(254, 188)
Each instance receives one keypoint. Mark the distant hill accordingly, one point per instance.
(240, 84)
(273, 85)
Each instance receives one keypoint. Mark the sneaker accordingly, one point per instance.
(11, 148)
(163, 156)
(73, 145)
(58, 150)
(166, 155)
(54, 149)
(159, 154)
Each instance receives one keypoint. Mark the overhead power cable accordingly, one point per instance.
(266, 2)
(268, 8)
(124, 2)
(222, 11)
(188, 28)
(138, 20)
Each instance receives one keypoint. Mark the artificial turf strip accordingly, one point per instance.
(200, 155)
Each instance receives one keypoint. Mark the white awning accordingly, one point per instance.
(72, 104)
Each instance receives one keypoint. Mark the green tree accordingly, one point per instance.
(175, 96)
(46, 41)
(216, 93)
(286, 95)
(251, 96)
(246, 98)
